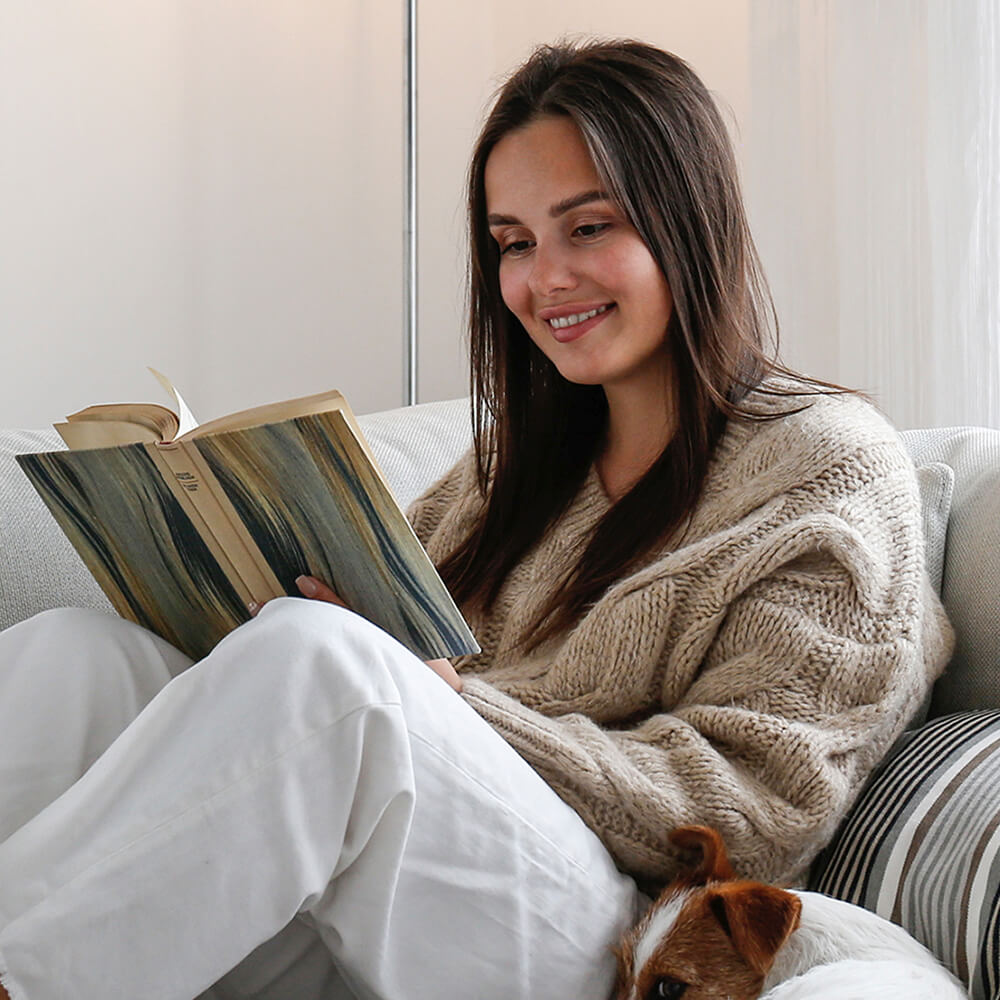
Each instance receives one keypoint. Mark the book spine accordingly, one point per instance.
(216, 520)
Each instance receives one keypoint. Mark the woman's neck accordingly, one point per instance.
(640, 426)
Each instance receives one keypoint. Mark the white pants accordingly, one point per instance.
(310, 804)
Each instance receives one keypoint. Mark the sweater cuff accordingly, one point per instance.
(535, 736)
(491, 703)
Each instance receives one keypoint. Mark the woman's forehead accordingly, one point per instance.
(538, 167)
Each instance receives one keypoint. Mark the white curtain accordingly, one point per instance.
(872, 167)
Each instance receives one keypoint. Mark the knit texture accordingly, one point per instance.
(752, 673)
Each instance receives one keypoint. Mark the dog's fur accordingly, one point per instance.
(711, 936)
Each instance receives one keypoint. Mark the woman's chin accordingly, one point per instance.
(581, 378)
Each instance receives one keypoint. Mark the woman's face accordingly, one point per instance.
(573, 270)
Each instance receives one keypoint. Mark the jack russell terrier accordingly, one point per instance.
(711, 936)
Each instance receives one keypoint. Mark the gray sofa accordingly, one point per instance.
(959, 471)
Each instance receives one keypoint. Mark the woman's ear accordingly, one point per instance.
(757, 918)
(713, 864)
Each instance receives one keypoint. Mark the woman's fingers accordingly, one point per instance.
(309, 587)
(317, 590)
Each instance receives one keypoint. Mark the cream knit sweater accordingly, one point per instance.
(752, 674)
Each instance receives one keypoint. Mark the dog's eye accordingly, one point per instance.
(667, 989)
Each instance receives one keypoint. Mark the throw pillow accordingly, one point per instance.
(970, 585)
(936, 482)
(921, 846)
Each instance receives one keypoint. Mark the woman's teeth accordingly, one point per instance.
(561, 322)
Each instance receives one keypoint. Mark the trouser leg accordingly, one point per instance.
(293, 965)
(223, 810)
(502, 893)
(70, 681)
(278, 777)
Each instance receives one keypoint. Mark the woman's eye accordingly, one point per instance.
(592, 229)
(667, 989)
(516, 248)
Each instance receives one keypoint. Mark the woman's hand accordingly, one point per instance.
(317, 590)
(447, 672)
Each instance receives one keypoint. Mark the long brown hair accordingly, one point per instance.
(661, 148)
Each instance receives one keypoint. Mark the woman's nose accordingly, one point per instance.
(551, 270)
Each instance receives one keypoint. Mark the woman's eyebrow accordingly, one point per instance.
(559, 208)
(575, 201)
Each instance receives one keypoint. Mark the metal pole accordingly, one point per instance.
(410, 211)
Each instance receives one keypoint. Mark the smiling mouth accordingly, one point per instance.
(562, 322)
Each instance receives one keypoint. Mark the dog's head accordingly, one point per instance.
(709, 935)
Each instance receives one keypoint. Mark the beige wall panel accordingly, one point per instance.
(208, 187)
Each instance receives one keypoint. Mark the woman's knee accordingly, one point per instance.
(71, 681)
(317, 648)
(90, 654)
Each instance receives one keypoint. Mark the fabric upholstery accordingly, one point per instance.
(39, 569)
(971, 574)
(937, 486)
(416, 446)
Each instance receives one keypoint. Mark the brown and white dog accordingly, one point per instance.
(711, 936)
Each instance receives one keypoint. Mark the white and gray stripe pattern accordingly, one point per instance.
(921, 846)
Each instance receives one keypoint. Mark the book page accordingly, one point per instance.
(331, 401)
(103, 434)
(107, 425)
(186, 421)
(270, 413)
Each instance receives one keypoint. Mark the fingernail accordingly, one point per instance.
(307, 585)
(253, 607)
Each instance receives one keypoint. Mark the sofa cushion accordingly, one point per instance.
(921, 846)
(39, 569)
(970, 586)
(417, 445)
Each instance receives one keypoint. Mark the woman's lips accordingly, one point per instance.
(565, 333)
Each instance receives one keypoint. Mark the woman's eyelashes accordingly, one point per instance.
(583, 233)
(589, 230)
(515, 247)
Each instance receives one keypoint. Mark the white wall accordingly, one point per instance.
(867, 137)
(873, 173)
(205, 186)
(215, 188)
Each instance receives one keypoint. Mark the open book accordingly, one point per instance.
(184, 526)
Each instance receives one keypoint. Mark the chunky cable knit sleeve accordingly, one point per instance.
(752, 675)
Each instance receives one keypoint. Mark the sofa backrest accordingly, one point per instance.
(958, 468)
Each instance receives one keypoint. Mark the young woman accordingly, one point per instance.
(697, 581)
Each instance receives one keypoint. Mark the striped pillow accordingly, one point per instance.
(921, 846)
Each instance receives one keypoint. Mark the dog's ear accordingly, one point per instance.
(713, 865)
(757, 918)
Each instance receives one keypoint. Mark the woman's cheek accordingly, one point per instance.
(514, 289)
